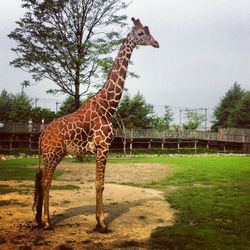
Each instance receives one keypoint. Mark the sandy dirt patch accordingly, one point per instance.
(132, 213)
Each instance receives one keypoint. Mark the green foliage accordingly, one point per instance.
(20, 108)
(67, 106)
(163, 122)
(15, 108)
(68, 42)
(5, 105)
(158, 122)
(38, 113)
(194, 119)
(241, 116)
(168, 116)
(135, 112)
(223, 113)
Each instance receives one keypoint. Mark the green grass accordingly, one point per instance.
(20, 169)
(24, 169)
(213, 204)
(65, 187)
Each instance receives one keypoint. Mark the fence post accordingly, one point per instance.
(30, 142)
(131, 141)
(149, 144)
(11, 142)
(195, 147)
(131, 146)
(208, 144)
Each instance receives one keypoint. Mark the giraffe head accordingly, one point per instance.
(141, 34)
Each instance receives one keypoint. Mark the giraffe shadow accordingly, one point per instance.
(114, 211)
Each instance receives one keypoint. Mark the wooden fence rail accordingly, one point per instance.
(227, 135)
(184, 134)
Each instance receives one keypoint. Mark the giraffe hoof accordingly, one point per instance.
(101, 229)
(47, 227)
(40, 225)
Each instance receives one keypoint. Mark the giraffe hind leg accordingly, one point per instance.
(38, 199)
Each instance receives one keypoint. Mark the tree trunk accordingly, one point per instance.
(77, 88)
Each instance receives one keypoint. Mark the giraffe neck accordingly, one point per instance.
(110, 94)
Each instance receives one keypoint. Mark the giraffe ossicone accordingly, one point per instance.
(89, 129)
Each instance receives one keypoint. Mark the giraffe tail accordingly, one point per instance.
(38, 195)
(38, 198)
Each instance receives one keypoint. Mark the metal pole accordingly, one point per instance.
(57, 106)
(180, 119)
(205, 119)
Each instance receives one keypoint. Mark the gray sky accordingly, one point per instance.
(204, 49)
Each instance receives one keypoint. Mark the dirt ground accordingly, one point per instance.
(131, 213)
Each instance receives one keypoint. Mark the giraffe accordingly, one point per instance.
(89, 129)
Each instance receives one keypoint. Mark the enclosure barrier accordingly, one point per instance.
(16, 137)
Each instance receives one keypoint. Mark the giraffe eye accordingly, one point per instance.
(140, 33)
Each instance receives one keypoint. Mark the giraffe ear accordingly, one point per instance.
(146, 30)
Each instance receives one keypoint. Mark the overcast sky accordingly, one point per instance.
(204, 49)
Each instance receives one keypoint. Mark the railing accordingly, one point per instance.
(22, 128)
(229, 135)
(182, 134)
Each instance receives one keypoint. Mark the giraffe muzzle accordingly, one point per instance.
(155, 44)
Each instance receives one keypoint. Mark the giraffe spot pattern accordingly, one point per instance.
(89, 129)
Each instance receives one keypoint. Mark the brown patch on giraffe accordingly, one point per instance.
(125, 62)
(114, 76)
(132, 213)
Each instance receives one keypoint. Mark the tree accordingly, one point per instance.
(158, 122)
(240, 117)
(68, 41)
(163, 122)
(20, 108)
(168, 116)
(5, 105)
(38, 113)
(194, 119)
(67, 106)
(135, 112)
(223, 112)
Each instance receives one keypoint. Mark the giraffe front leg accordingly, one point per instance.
(101, 158)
